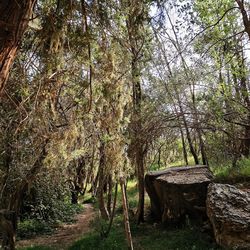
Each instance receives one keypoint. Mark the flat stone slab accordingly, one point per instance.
(186, 175)
(178, 191)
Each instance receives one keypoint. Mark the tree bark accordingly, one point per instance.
(141, 185)
(14, 18)
(110, 188)
(112, 214)
(126, 217)
(245, 17)
(9, 226)
(136, 40)
(100, 189)
(185, 155)
(139, 154)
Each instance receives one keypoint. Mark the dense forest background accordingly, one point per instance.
(95, 93)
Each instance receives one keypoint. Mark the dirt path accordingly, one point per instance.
(65, 235)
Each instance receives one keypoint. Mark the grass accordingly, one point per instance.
(225, 171)
(93, 241)
(32, 227)
(227, 174)
(148, 236)
(145, 236)
(182, 162)
(36, 248)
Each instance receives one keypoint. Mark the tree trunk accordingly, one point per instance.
(9, 226)
(14, 18)
(191, 147)
(185, 155)
(94, 185)
(245, 97)
(110, 188)
(74, 197)
(202, 147)
(100, 189)
(134, 27)
(126, 217)
(245, 17)
(112, 215)
(141, 185)
(139, 154)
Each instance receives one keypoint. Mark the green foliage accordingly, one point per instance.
(132, 195)
(243, 167)
(182, 162)
(226, 171)
(154, 167)
(36, 248)
(62, 212)
(32, 227)
(100, 225)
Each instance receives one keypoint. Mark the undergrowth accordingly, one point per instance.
(30, 227)
(146, 236)
(37, 248)
(225, 172)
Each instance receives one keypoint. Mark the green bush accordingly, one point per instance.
(226, 171)
(31, 227)
(63, 212)
(37, 248)
(243, 167)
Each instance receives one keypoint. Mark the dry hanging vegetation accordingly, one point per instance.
(94, 94)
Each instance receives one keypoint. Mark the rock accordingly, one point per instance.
(228, 209)
(177, 192)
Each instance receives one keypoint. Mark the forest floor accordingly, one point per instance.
(66, 234)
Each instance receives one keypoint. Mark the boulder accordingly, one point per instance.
(228, 209)
(177, 192)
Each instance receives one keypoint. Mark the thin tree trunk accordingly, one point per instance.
(112, 215)
(141, 185)
(185, 156)
(245, 17)
(190, 143)
(110, 188)
(126, 216)
(14, 18)
(100, 189)
(192, 91)
(93, 188)
(202, 147)
(159, 158)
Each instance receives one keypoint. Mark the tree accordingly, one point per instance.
(137, 13)
(15, 16)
